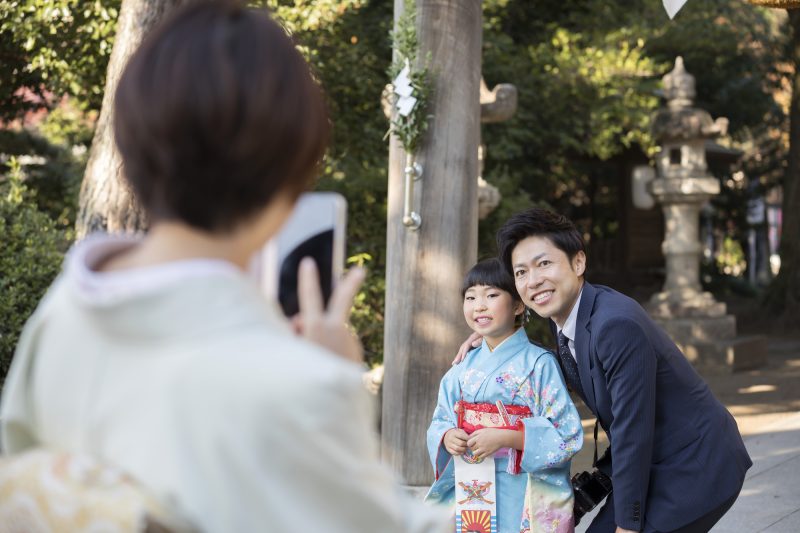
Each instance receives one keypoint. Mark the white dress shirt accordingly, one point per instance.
(569, 325)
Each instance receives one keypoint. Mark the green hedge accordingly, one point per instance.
(31, 256)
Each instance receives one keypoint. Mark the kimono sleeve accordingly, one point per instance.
(554, 433)
(443, 420)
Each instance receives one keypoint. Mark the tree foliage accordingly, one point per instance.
(783, 295)
(587, 72)
(54, 47)
(347, 43)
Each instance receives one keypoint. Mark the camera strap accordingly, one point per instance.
(594, 463)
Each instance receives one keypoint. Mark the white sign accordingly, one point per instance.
(403, 89)
(673, 6)
(641, 177)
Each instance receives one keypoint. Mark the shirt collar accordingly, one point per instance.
(572, 320)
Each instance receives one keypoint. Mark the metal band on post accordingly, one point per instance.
(413, 172)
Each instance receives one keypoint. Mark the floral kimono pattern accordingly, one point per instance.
(526, 379)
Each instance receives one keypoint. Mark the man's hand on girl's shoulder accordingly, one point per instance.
(473, 341)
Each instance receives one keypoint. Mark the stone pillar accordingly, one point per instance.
(681, 201)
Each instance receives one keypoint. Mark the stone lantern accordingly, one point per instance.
(682, 185)
(693, 318)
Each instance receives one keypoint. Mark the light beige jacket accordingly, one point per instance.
(185, 378)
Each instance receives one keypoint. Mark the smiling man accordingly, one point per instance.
(678, 458)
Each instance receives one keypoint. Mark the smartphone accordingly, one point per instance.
(316, 228)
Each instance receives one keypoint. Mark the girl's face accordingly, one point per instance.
(490, 312)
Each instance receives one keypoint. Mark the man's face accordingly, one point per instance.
(547, 281)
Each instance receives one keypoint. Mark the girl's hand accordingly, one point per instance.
(455, 441)
(485, 442)
(473, 341)
(329, 328)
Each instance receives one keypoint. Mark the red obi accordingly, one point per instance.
(475, 416)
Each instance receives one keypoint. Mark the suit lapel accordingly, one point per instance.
(582, 337)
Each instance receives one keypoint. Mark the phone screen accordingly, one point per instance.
(316, 229)
(320, 248)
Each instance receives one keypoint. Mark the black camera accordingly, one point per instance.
(590, 489)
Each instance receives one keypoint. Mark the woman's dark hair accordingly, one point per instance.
(216, 113)
(538, 222)
(490, 273)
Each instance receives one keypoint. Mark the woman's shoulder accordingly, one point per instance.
(255, 360)
(242, 388)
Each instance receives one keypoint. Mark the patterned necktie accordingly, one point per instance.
(568, 365)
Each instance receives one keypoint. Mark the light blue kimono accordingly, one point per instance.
(517, 372)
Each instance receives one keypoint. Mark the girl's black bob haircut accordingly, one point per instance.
(490, 273)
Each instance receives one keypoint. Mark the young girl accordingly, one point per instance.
(506, 400)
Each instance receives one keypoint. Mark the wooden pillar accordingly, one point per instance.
(424, 267)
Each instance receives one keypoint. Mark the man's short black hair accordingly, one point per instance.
(216, 114)
(538, 222)
(490, 273)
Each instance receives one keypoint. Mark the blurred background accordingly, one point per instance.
(588, 75)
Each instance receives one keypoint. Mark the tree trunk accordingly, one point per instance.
(785, 289)
(106, 203)
(424, 321)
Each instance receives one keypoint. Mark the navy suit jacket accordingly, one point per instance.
(675, 451)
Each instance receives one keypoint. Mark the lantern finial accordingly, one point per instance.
(679, 86)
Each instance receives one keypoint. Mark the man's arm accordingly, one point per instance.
(473, 341)
(629, 364)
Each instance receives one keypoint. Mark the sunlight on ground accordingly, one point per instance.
(757, 388)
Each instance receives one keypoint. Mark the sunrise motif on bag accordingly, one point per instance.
(476, 522)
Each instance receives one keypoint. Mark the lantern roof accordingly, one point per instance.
(679, 121)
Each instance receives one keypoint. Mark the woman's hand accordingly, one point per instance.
(329, 328)
(485, 442)
(473, 341)
(455, 441)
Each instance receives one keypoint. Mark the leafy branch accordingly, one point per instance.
(409, 126)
